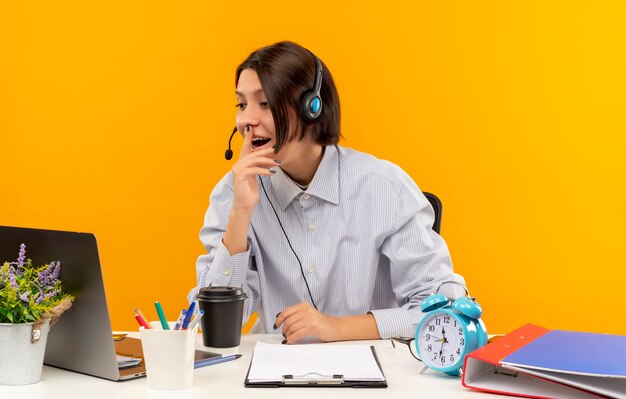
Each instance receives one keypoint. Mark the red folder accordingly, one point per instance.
(484, 371)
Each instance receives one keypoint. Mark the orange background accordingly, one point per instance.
(114, 118)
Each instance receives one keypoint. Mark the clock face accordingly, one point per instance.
(442, 341)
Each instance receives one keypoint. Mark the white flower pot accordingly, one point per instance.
(21, 360)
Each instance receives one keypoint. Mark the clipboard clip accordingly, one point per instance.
(313, 379)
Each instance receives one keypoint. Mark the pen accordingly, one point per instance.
(195, 320)
(179, 321)
(159, 310)
(141, 321)
(143, 316)
(214, 360)
(188, 316)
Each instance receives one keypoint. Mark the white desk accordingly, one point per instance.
(225, 381)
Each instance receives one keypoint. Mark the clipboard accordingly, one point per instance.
(314, 379)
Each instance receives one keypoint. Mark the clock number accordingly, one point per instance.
(443, 359)
(446, 319)
(452, 358)
(462, 341)
(427, 337)
(438, 322)
(458, 351)
(431, 328)
(455, 323)
(429, 348)
(460, 331)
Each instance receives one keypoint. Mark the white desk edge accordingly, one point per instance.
(225, 380)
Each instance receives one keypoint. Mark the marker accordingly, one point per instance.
(214, 360)
(143, 316)
(189, 315)
(196, 321)
(181, 318)
(162, 318)
(141, 321)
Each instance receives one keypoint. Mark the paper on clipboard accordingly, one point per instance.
(272, 362)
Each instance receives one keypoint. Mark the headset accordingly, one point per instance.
(310, 110)
(311, 101)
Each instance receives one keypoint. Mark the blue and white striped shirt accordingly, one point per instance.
(362, 230)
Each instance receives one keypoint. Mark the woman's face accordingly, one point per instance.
(254, 111)
(298, 157)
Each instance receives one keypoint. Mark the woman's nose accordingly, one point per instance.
(250, 116)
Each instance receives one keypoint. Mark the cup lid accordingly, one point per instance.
(219, 294)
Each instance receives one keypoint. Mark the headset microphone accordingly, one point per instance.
(229, 153)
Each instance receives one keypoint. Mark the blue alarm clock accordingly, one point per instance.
(449, 331)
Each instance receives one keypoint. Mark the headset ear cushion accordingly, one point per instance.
(310, 106)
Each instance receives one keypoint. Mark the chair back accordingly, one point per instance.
(437, 207)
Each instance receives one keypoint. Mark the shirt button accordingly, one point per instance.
(307, 196)
(311, 227)
(310, 269)
(227, 272)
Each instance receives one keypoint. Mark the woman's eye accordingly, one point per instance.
(241, 106)
(264, 104)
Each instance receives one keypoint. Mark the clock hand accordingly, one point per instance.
(443, 333)
(441, 349)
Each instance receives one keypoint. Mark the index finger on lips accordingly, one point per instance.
(247, 143)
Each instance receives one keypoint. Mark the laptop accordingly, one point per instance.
(82, 339)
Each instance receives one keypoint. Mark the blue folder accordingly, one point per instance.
(589, 361)
(574, 352)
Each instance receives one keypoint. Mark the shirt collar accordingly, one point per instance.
(325, 183)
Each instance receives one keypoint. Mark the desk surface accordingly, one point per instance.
(226, 381)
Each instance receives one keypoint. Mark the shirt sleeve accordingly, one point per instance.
(217, 267)
(419, 261)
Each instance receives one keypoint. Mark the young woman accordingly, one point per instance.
(325, 241)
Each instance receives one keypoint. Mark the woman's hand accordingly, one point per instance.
(246, 192)
(302, 320)
(250, 165)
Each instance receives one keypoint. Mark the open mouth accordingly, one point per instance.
(259, 142)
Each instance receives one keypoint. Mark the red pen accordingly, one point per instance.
(143, 316)
(142, 322)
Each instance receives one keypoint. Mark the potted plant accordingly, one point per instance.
(31, 300)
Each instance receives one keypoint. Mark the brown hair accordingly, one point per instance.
(286, 71)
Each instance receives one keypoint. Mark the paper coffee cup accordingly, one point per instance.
(223, 316)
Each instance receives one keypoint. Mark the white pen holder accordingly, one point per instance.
(169, 356)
